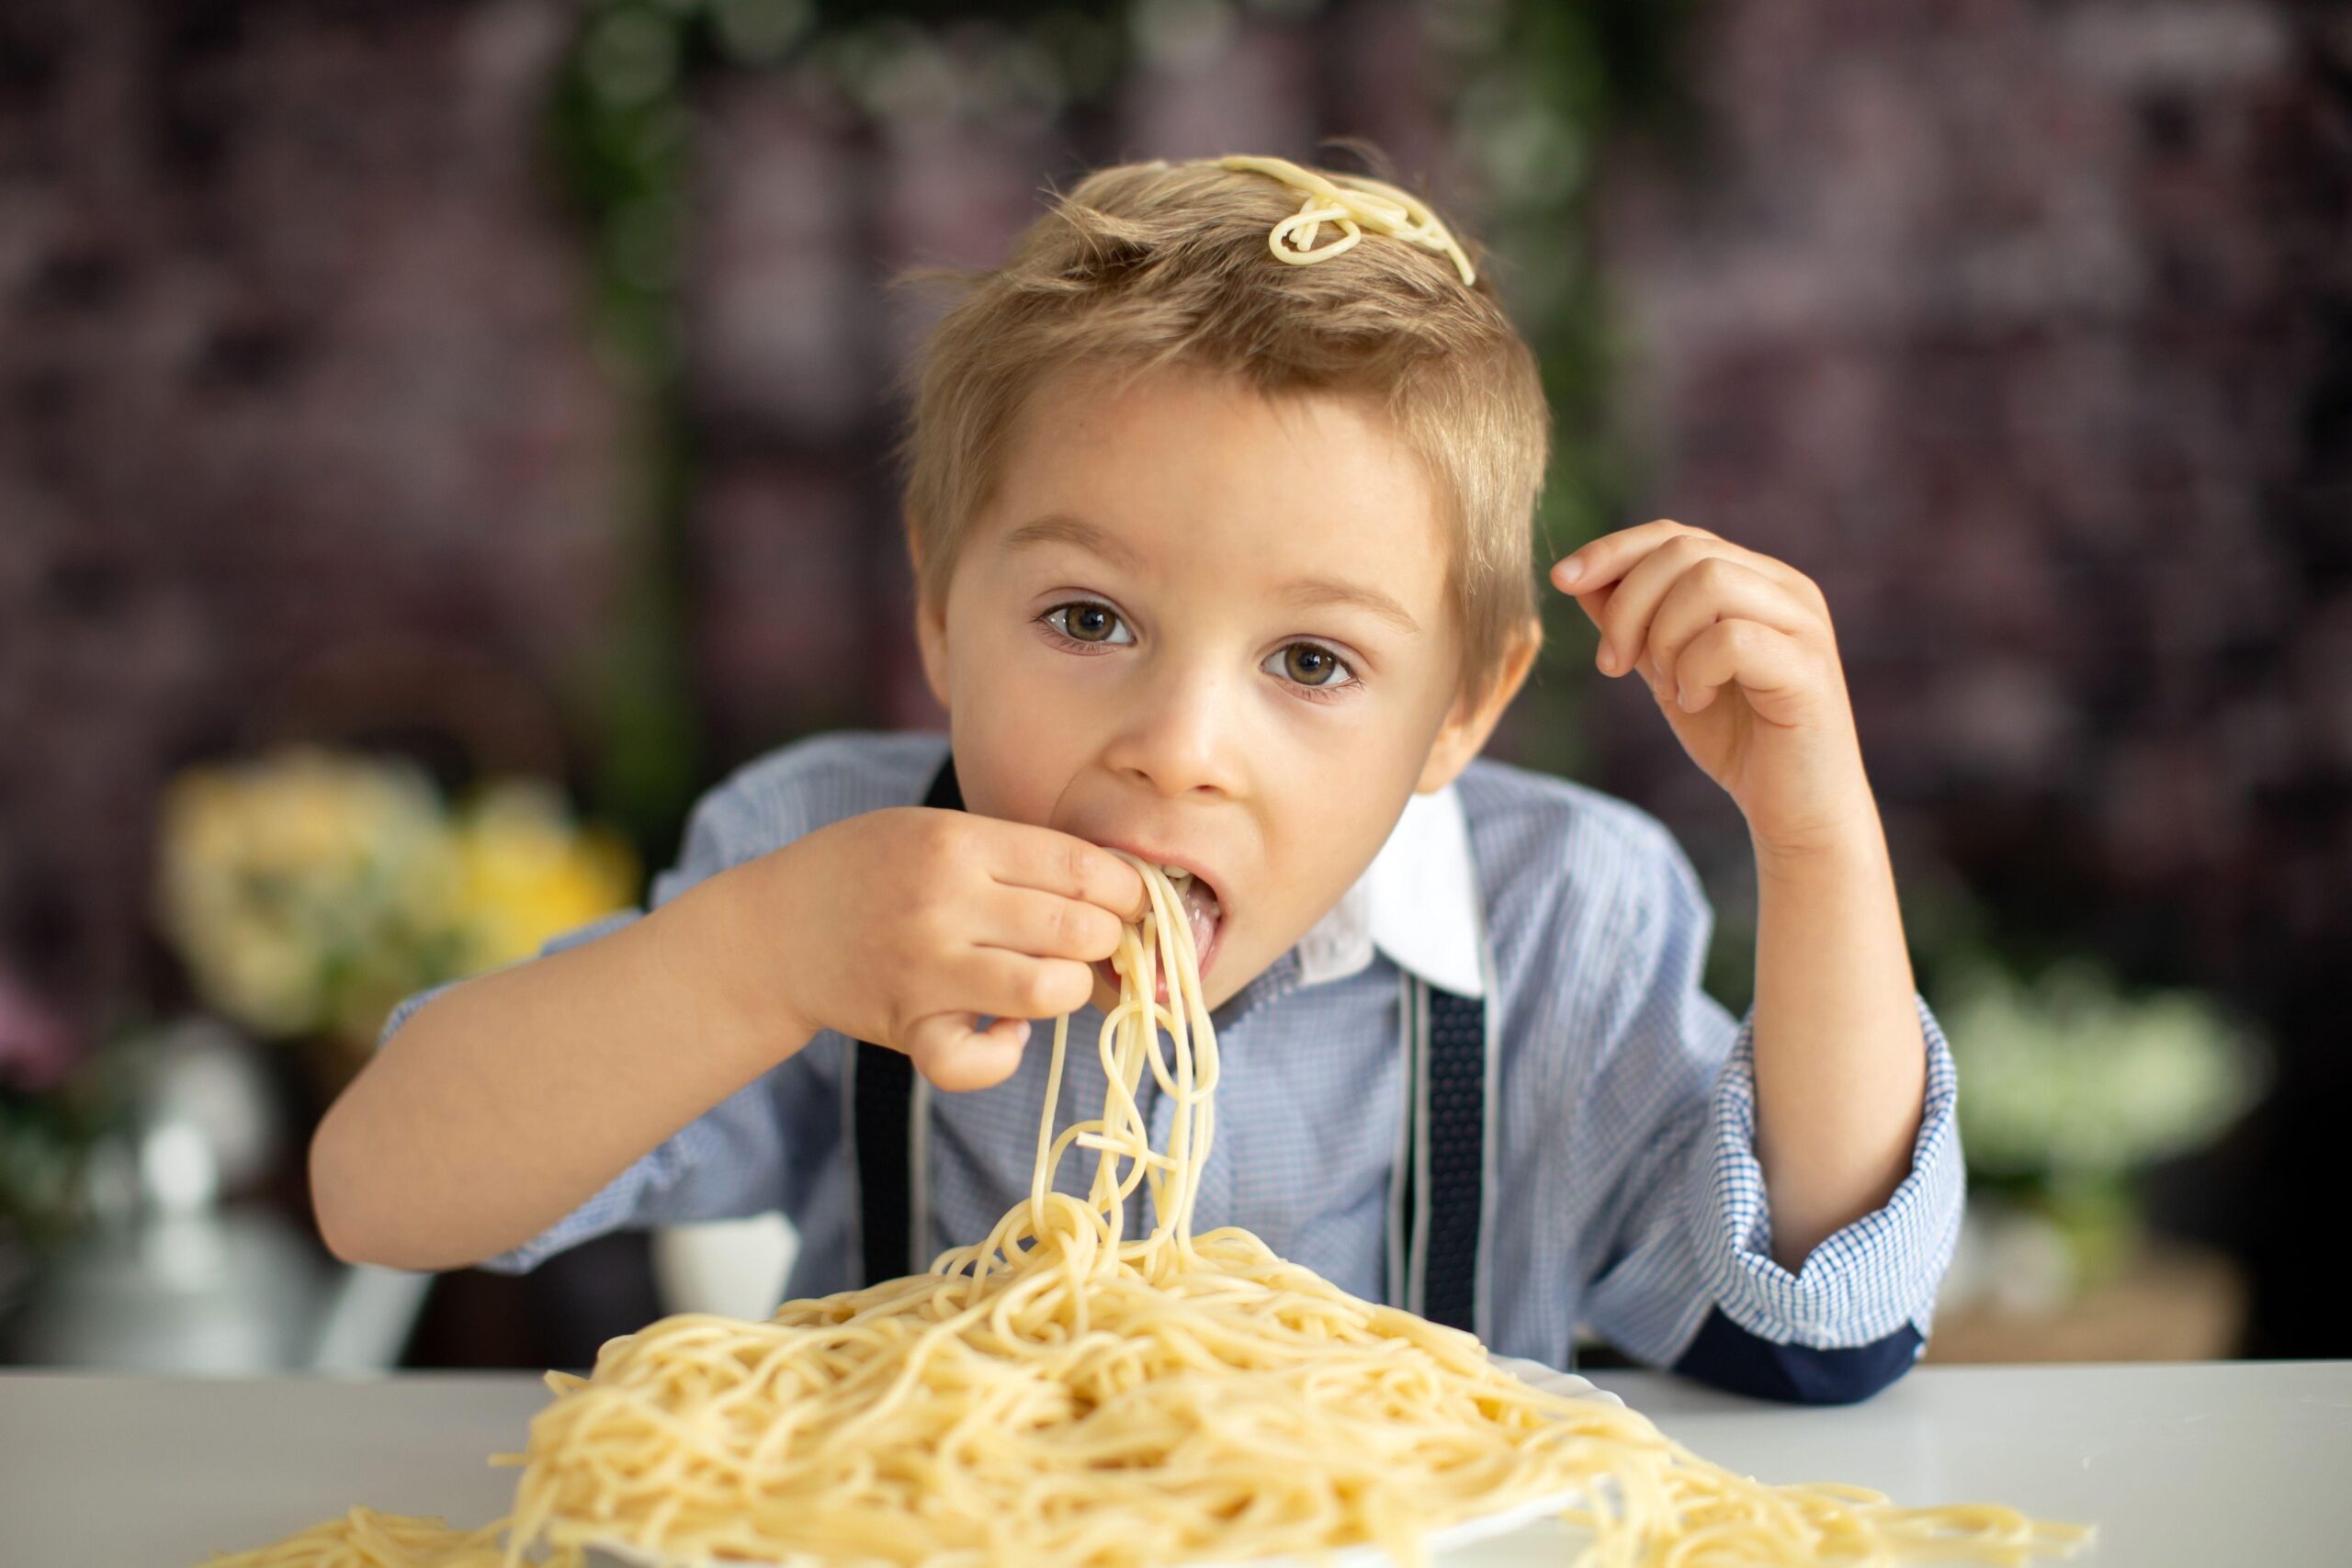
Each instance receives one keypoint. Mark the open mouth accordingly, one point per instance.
(1204, 913)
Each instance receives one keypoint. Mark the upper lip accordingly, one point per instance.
(1161, 857)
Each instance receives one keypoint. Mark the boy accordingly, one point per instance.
(1222, 562)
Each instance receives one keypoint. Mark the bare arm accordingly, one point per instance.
(1842, 1067)
(1740, 657)
(506, 1101)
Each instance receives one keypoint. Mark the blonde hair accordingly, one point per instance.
(1151, 266)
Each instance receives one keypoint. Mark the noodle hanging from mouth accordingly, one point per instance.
(1062, 1394)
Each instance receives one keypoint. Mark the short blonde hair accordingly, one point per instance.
(1145, 265)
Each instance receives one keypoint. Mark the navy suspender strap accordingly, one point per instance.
(1440, 1185)
(882, 1107)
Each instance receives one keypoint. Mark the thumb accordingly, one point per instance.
(948, 1049)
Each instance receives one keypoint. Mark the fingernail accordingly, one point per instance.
(1608, 655)
(1567, 571)
(1682, 696)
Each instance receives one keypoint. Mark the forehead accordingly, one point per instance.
(1185, 472)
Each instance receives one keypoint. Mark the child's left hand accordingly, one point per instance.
(1739, 655)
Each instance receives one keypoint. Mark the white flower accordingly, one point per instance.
(2067, 1077)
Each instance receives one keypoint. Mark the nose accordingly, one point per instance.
(1182, 734)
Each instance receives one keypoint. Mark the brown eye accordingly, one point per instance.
(1086, 622)
(1312, 666)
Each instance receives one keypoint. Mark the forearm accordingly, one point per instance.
(505, 1103)
(1840, 1062)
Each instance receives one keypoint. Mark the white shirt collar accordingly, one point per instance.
(1418, 902)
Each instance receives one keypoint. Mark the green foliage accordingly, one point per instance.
(2069, 1082)
(1547, 89)
(620, 134)
(46, 1139)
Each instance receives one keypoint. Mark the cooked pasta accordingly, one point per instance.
(1063, 1395)
(1351, 204)
(366, 1539)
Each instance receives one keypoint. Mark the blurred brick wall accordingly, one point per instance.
(805, 213)
(2024, 330)
(301, 436)
(2027, 330)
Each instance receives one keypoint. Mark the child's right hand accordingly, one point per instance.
(906, 925)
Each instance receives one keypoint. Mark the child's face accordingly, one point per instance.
(1212, 629)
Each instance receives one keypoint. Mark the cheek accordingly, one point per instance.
(1334, 804)
(1015, 734)
(1326, 820)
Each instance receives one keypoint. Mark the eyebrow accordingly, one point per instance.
(1063, 529)
(1311, 592)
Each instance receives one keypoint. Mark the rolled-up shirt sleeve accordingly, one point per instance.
(1679, 1269)
(728, 1161)
(1862, 1282)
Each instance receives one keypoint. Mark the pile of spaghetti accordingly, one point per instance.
(1065, 1395)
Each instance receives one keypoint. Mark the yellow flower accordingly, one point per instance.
(274, 873)
(528, 874)
(309, 891)
(260, 972)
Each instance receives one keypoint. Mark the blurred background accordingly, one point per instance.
(443, 438)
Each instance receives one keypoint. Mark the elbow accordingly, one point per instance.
(1730, 1356)
(333, 1208)
(365, 1215)
(350, 1214)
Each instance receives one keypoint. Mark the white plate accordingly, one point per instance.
(1541, 1376)
(1468, 1532)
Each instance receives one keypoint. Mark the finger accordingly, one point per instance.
(952, 1052)
(1594, 604)
(1053, 862)
(994, 980)
(1625, 620)
(1769, 667)
(1047, 925)
(1715, 589)
(1587, 572)
(1611, 557)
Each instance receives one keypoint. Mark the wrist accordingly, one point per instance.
(728, 960)
(1842, 846)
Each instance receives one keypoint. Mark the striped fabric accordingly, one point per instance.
(1628, 1198)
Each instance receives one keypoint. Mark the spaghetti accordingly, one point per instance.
(366, 1539)
(1351, 204)
(1065, 1395)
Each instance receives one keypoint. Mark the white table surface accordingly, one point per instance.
(2218, 1466)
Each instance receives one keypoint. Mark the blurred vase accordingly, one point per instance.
(169, 1275)
(215, 1292)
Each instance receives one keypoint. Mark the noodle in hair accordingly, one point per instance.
(1064, 1396)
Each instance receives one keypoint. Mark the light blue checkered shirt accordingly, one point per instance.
(1627, 1196)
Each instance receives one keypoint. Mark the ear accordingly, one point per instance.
(1475, 714)
(931, 622)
